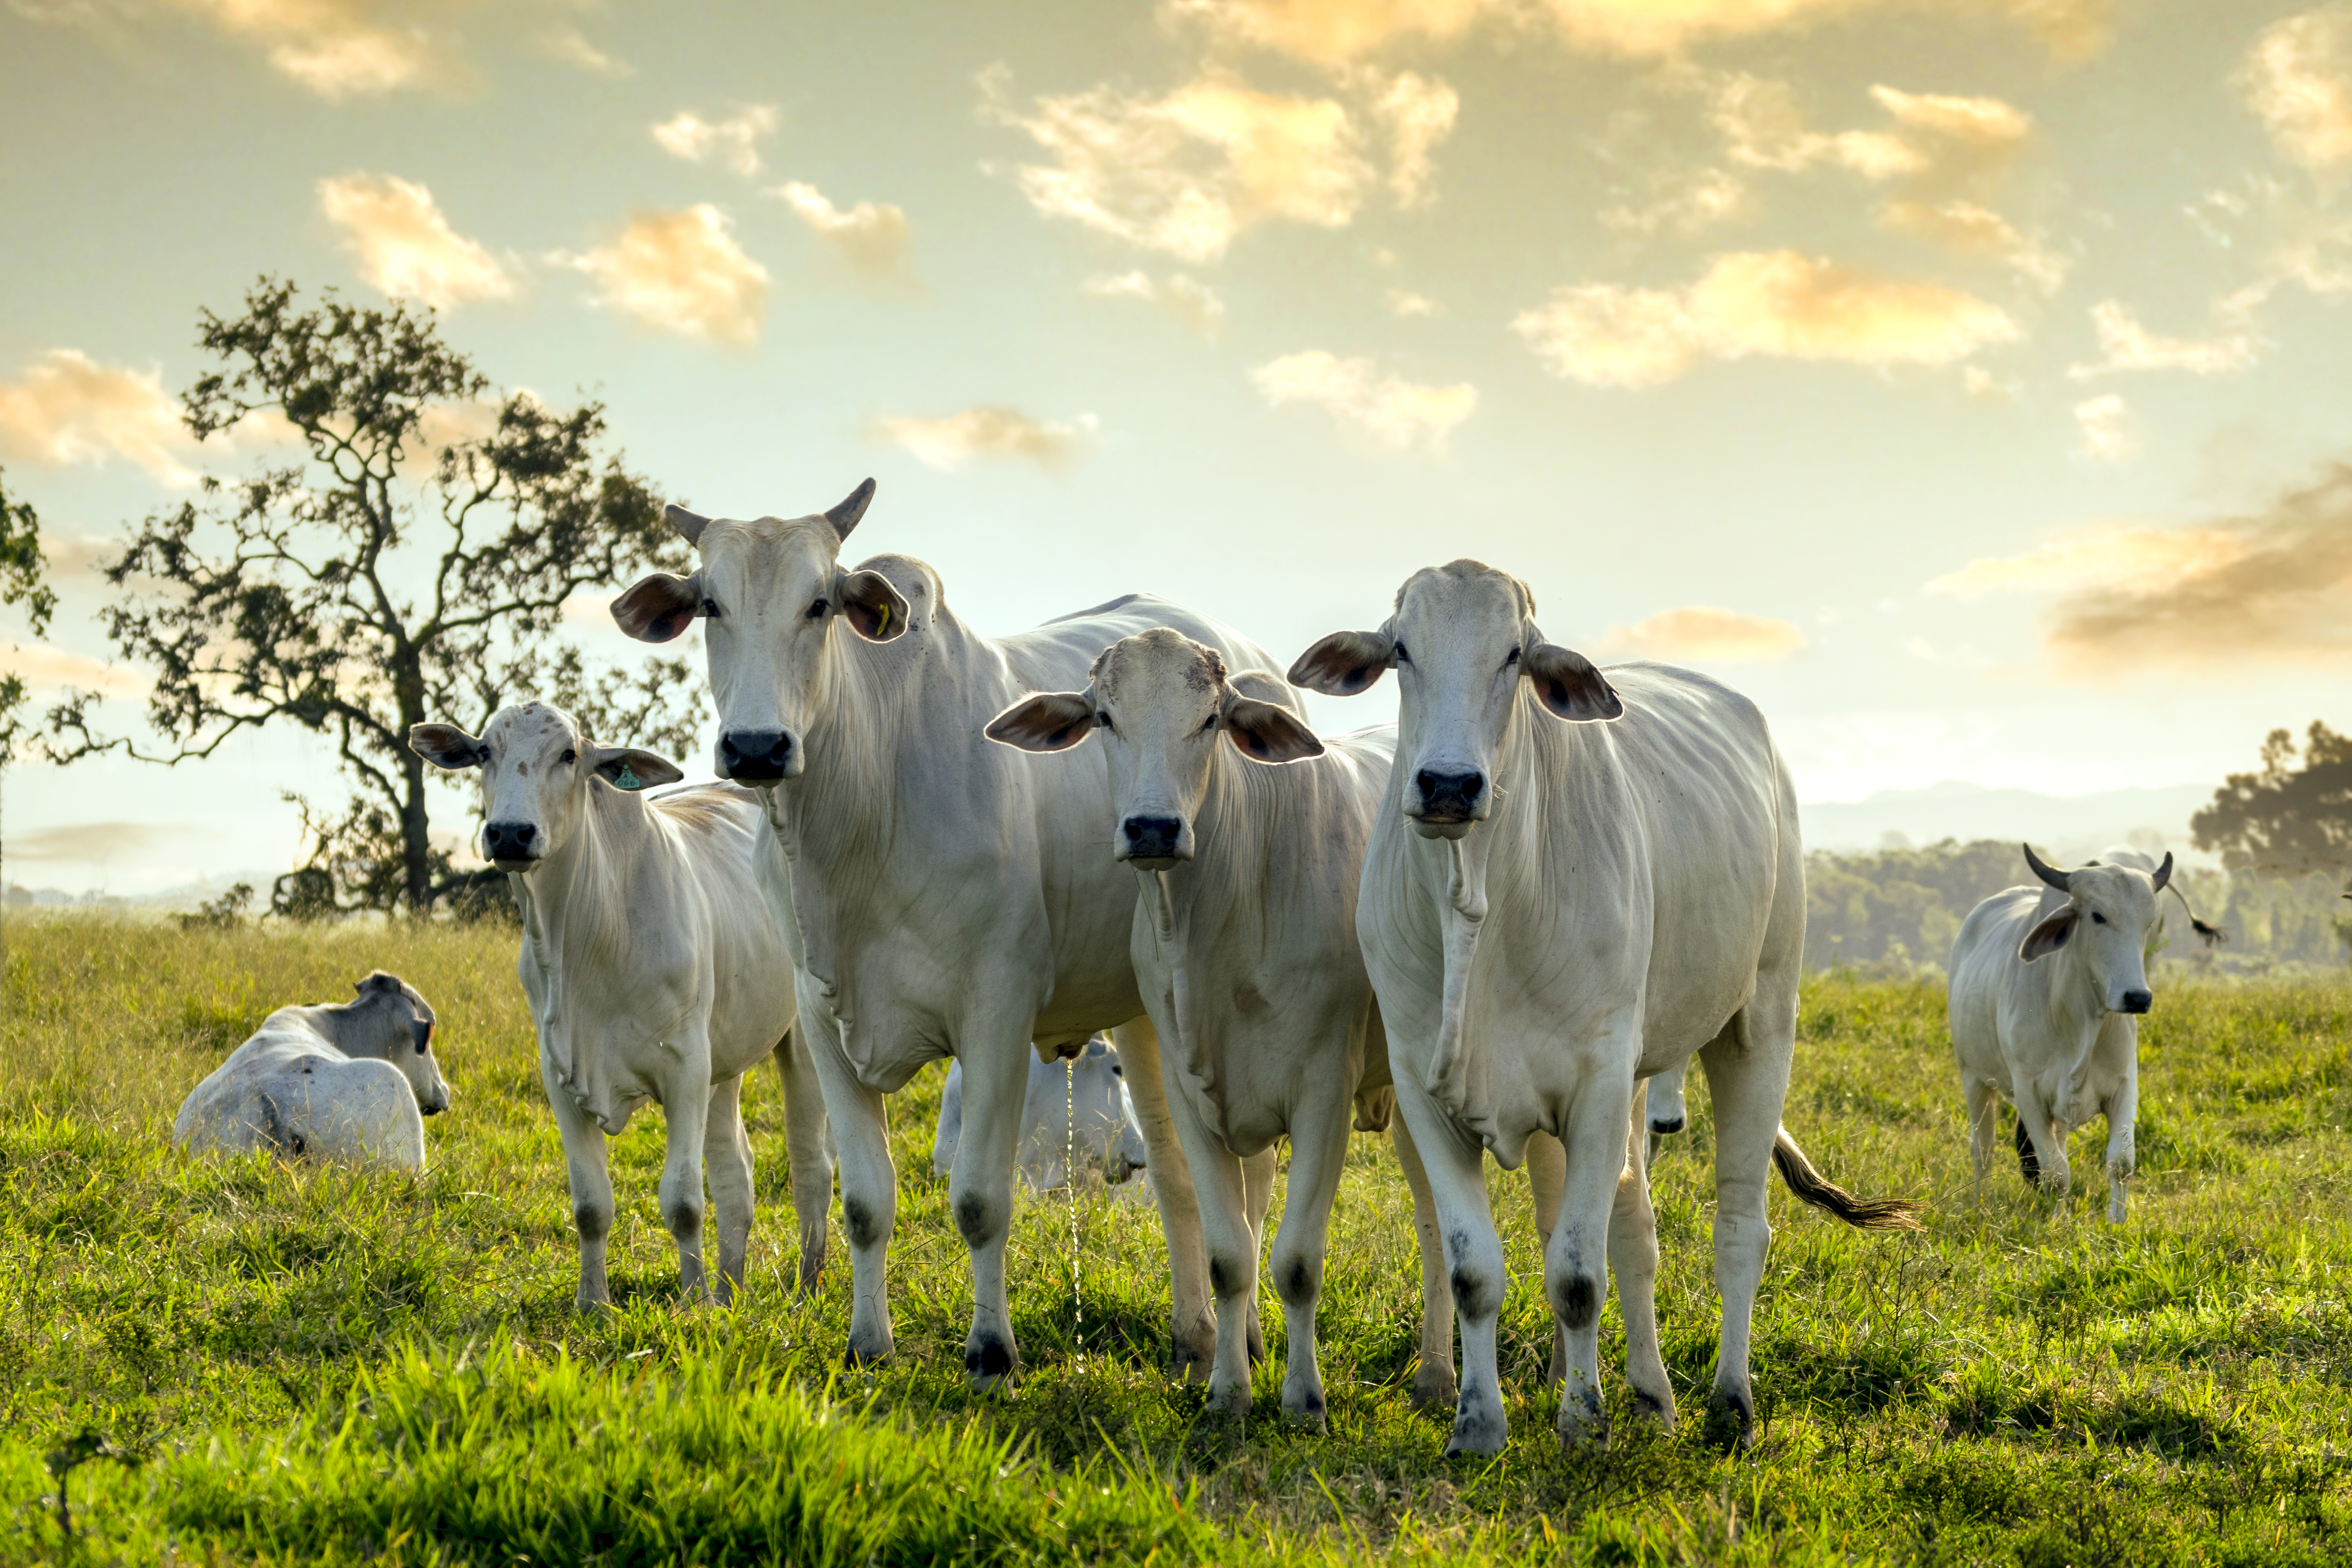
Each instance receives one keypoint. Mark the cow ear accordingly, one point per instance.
(446, 746)
(1266, 733)
(1048, 721)
(626, 767)
(875, 607)
(853, 506)
(2050, 935)
(1344, 663)
(1570, 686)
(659, 606)
(689, 527)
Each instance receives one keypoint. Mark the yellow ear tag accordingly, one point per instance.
(884, 625)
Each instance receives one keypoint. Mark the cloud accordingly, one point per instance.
(1188, 300)
(1332, 33)
(1967, 229)
(1418, 114)
(987, 431)
(1685, 201)
(1185, 174)
(337, 48)
(1778, 303)
(2107, 431)
(573, 47)
(1381, 409)
(48, 669)
(91, 841)
(1406, 305)
(732, 144)
(2272, 587)
(680, 272)
(2298, 79)
(68, 408)
(871, 237)
(2126, 345)
(395, 232)
(1707, 634)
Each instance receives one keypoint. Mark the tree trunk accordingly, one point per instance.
(415, 832)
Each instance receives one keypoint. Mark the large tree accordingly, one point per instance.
(412, 563)
(22, 584)
(2291, 816)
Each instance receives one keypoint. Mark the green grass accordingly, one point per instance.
(301, 1364)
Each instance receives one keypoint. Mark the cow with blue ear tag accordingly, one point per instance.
(655, 974)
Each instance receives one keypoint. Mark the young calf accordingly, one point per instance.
(2047, 987)
(655, 971)
(348, 1083)
(1082, 1100)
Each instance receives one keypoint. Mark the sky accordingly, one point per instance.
(1960, 378)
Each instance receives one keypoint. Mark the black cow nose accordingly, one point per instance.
(1152, 838)
(508, 841)
(2138, 1001)
(759, 755)
(1448, 795)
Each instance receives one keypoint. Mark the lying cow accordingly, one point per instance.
(2047, 987)
(1082, 1100)
(655, 973)
(336, 1082)
(1553, 911)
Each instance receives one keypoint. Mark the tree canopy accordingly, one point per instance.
(2291, 816)
(411, 562)
(23, 584)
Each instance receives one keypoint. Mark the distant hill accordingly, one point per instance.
(2061, 824)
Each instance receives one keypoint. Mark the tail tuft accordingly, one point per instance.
(2213, 935)
(1809, 1184)
(2029, 1163)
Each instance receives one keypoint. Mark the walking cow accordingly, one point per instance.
(1552, 911)
(655, 973)
(1079, 1107)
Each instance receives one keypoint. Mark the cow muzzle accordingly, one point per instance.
(1447, 803)
(512, 846)
(2137, 1002)
(760, 756)
(1153, 843)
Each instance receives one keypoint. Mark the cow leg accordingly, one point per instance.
(1433, 1381)
(2122, 1109)
(1747, 1082)
(1634, 1258)
(1318, 1151)
(1984, 1108)
(1474, 1260)
(1220, 1184)
(1547, 1163)
(870, 1188)
(979, 1189)
(727, 1156)
(686, 1107)
(1192, 1325)
(2040, 1128)
(1257, 1179)
(808, 1148)
(1576, 1260)
(591, 1187)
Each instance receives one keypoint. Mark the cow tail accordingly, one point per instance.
(2213, 935)
(1809, 1184)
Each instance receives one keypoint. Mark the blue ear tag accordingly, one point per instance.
(629, 780)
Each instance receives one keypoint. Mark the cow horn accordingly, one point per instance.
(844, 517)
(2056, 878)
(688, 526)
(2164, 872)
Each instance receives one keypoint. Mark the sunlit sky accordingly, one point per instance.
(1962, 378)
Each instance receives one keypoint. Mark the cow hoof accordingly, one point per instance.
(1658, 1409)
(1583, 1426)
(1305, 1413)
(1730, 1421)
(1478, 1432)
(1434, 1391)
(858, 1356)
(988, 1364)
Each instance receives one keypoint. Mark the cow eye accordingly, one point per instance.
(1511, 659)
(2098, 918)
(568, 756)
(817, 610)
(1402, 656)
(710, 607)
(1103, 719)
(1117, 1070)
(1208, 723)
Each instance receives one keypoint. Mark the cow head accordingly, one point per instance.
(536, 770)
(391, 1022)
(1463, 644)
(2102, 929)
(772, 594)
(1161, 701)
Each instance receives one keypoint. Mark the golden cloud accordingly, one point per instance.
(871, 237)
(2272, 587)
(405, 247)
(680, 272)
(732, 144)
(2126, 345)
(1706, 633)
(1188, 300)
(68, 408)
(95, 842)
(987, 431)
(337, 48)
(1419, 114)
(1381, 409)
(1778, 303)
(2298, 79)
(1965, 229)
(573, 47)
(48, 669)
(2106, 427)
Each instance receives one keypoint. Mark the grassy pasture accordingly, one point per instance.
(301, 1364)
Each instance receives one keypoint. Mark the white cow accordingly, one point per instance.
(653, 974)
(2047, 987)
(1082, 1100)
(946, 896)
(337, 1082)
(1552, 912)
